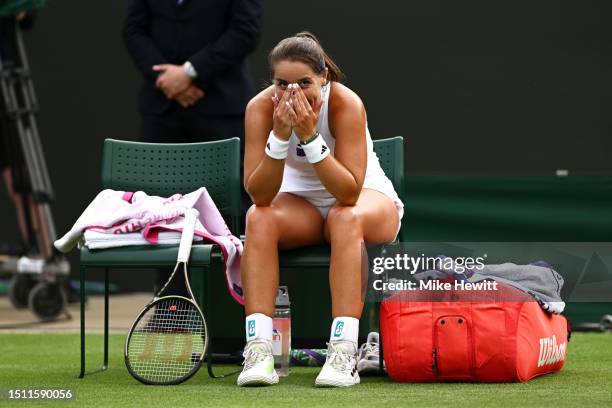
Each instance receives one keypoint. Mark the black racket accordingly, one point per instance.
(169, 339)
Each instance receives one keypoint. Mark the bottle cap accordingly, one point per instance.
(282, 296)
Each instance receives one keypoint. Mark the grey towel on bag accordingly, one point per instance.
(537, 279)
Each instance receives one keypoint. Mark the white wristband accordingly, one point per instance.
(316, 150)
(276, 148)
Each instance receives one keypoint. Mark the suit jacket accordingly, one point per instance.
(214, 35)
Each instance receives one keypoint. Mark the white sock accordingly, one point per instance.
(258, 326)
(344, 328)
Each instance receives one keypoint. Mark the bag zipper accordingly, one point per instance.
(434, 366)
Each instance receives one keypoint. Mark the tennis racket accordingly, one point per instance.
(169, 339)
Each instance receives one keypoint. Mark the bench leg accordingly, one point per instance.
(205, 289)
(105, 365)
(106, 295)
(82, 301)
(211, 374)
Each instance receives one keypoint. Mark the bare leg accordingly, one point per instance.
(373, 219)
(289, 222)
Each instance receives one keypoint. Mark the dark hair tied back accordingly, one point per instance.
(305, 47)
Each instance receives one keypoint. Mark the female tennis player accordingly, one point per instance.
(313, 176)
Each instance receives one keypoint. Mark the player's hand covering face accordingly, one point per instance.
(304, 114)
(297, 95)
(282, 115)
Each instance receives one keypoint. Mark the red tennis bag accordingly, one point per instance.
(453, 337)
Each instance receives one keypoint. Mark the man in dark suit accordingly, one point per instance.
(192, 54)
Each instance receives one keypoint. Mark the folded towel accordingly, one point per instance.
(101, 240)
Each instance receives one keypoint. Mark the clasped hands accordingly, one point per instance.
(292, 111)
(174, 82)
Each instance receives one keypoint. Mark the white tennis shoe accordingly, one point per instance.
(368, 359)
(258, 364)
(340, 369)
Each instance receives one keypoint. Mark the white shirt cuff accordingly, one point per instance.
(190, 70)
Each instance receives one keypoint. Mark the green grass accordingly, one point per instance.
(52, 360)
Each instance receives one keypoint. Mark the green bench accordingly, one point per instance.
(165, 169)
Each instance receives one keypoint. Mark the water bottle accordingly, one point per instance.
(281, 332)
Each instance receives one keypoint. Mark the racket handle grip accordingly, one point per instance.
(191, 215)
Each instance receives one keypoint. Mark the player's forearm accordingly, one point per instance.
(338, 181)
(265, 181)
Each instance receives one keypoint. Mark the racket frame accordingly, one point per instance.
(182, 259)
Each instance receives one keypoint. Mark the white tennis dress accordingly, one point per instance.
(301, 179)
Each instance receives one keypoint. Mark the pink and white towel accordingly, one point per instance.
(122, 215)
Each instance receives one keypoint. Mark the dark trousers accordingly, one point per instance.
(179, 125)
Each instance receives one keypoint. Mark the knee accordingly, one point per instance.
(344, 220)
(260, 220)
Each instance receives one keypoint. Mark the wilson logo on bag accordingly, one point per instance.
(550, 352)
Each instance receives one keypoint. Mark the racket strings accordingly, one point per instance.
(167, 342)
